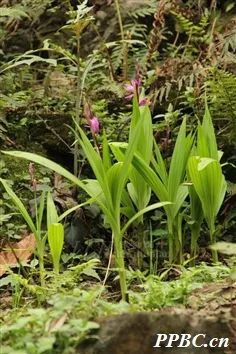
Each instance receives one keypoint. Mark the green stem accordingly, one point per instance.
(170, 241)
(77, 108)
(120, 19)
(119, 254)
(106, 51)
(179, 238)
(124, 45)
(140, 244)
(195, 232)
(40, 244)
(213, 240)
(41, 267)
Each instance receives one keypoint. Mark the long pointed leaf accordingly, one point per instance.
(20, 207)
(141, 212)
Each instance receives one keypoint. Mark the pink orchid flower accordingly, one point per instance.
(94, 125)
(135, 88)
(92, 120)
(132, 88)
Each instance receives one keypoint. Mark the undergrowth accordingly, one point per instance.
(68, 317)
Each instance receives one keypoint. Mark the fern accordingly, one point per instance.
(221, 93)
(196, 32)
(16, 12)
(117, 55)
(115, 124)
(136, 30)
(143, 9)
(36, 8)
(229, 43)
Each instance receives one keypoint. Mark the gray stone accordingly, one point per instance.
(137, 333)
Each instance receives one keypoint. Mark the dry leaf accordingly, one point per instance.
(57, 323)
(21, 251)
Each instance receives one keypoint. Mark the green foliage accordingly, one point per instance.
(221, 95)
(69, 318)
(34, 227)
(27, 59)
(59, 328)
(108, 187)
(54, 228)
(206, 175)
(16, 12)
(195, 32)
(143, 9)
(168, 185)
(56, 241)
(179, 70)
(156, 293)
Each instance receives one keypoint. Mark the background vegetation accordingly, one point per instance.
(137, 69)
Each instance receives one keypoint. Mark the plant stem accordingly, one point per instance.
(140, 244)
(77, 108)
(120, 19)
(170, 241)
(124, 45)
(41, 267)
(40, 243)
(195, 232)
(119, 254)
(213, 240)
(179, 246)
(106, 51)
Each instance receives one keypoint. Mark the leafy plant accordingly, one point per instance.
(108, 187)
(139, 191)
(58, 326)
(36, 228)
(221, 96)
(56, 241)
(155, 292)
(208, 180)
(55, 230)
(168, 185)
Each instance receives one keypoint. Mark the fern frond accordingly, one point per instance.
(221, 94)
(143, 10)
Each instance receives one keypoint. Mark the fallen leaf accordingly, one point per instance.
(56, 324)
(21, 251)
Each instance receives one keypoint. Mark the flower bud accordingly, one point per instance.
(94, 125)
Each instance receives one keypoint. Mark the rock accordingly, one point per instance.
(137, 333)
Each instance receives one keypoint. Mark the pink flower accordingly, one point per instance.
(92, 121)
(94, 125)
(144, 101)
(132, 88)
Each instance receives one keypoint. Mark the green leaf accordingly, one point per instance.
(56, 241)
(28, 60)
(71, 210)
(39, 217)
(20, 207)
(52, 216)
(179, 161)
(46, 163)
(159, 164)
(14, 12)
(206, 144)
(97, 166)
(141, 212)
(106, 153)
(210, 185)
